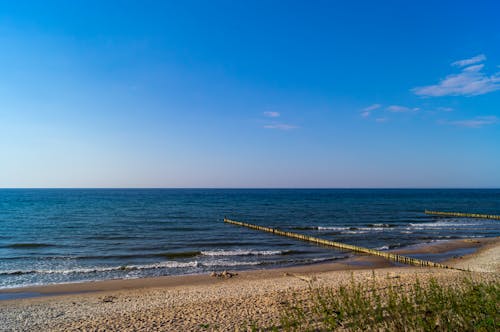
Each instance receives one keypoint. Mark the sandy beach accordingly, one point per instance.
(215, 303)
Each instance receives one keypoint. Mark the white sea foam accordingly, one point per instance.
(350, 229)
(241, 252)
(166, 264)
(440, 224)
(381, 225)
(222, 262)
(331, 228)
(160, 265)
(373, 228)
(325, 259)
(355, 232)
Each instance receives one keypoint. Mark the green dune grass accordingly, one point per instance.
(465, 305)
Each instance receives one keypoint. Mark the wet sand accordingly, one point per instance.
(204, 302)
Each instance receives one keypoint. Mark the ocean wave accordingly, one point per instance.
(182, 254)
(204, 267)
(355, 232)
(304, 261)
(221, 263)
(327, 259)
(350, 229)
(169, 255)
(390, 246)
(380, 225)
(448, 237)
(439, 225)
(443, 224)
(126, 268)
(242, 252)
(166, 264)
(320, 228)
(70, 271)
(212, 263)
(370, 229)
(332, 228)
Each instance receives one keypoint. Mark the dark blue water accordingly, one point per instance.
(54, 236)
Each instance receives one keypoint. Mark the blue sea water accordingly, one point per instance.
(69, 235)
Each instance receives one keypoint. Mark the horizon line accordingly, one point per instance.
(257, 188)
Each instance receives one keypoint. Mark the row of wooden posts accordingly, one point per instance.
(463, 215)
(387, 255)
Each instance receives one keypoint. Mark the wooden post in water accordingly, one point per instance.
(387, 255)
(463, 215)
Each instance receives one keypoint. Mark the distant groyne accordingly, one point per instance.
(463, 215)
(387, 255)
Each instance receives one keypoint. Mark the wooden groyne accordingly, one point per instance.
(463, 215)
(387, 255)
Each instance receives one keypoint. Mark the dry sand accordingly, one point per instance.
(200, 303)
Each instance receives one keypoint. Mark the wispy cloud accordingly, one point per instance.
(368, 110)
(476, 122)
(271, 114)
(372, 107)
(280, 126)
(401, 109)
(474, 68)
(471, 81)
(470, 61)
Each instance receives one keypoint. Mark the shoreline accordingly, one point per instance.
(449, 248)
(202, 302)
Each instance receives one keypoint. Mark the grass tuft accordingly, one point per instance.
(465, 305)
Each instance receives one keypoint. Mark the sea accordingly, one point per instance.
(50, 236)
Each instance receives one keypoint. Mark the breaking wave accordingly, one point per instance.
(242, 252)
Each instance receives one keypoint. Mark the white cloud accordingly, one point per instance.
(381, 120)
(280, 126)
(473, 60)
(271, 114)
(471, 81)
(401, 109)
(368, 110)
(476, 122)
(372, 107)
(474, 68)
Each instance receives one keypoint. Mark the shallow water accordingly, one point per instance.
(68, 235)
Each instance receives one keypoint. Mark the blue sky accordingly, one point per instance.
(249, 94)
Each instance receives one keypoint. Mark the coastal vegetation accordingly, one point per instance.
(465, 305)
